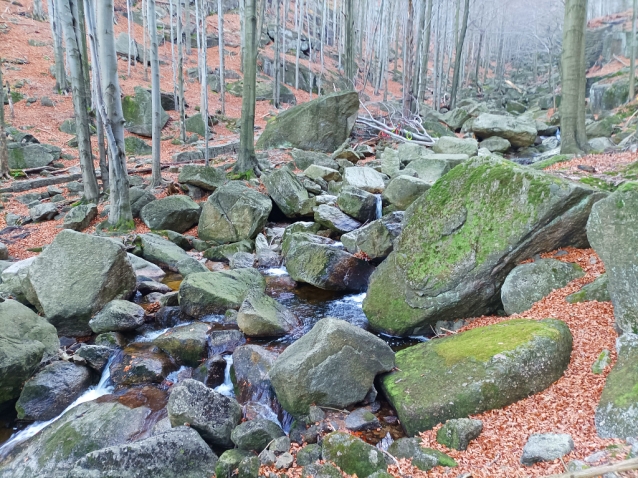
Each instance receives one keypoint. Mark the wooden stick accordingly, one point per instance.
(626, 465)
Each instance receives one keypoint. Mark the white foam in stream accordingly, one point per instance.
(227, 388)
(276, 271)
(103, 387)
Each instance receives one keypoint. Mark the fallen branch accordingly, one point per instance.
(627, 465)
(621, 61)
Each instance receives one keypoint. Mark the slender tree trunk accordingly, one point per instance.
(299, 30)
(349, 43)
(173, 56)
(69, 20)
(38, 13)
(459, 55)
(187, 25)
(180, 73)
(156, 99)
(409, 63)
(120, 216)
(500, 67)
(204, 73)
(260, 21)
(4, 153)
(572, 109)
(277, 60)
(419, 52)
(478, 56)
(247, 160)
(222, 80)
(144, 30)
(632, 67)
(425, 58)
(60, 74)
(130, 37)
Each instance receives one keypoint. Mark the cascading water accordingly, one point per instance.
(103, 387)
(227, 388)
(379, 206)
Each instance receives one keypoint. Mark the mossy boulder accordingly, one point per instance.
(422, 458)
(529, 283)
(617, 412)
(25, 339)
(262, 316)
(404, 190)
(597, 290)
(613, 233)
(229, 462)
(232, 213)
(322, 124)
(25, 156)
(463, 237)
(86, 428)
(135, 146)
(286, 191)
(215, 292)
(375, 239)
(204, 177)
(76, 275)
(138, 113)
(358, 203)
(176, 213)
(185, 343)
(333, 365)
(163, 252)
(141, 363)
(256, 434)
(353, 455)
(459, 432)
(195, 124)
(475, 371)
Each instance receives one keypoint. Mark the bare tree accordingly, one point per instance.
(350, 64)
(38, 13)
(60, 74)
(247, 160)
(4, 153)
(222, 73)
(69, 16)
(459, 54)
(632, 67)
(156, 99)
(180, 73)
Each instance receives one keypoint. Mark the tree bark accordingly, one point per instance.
(632, 66)
(80, 95)
(409, 63)
(573, 135)
(277, 59)
(247, 162)
(222, 80)
(38, 13)
(425, 58)
(4, 153)
(61, 84)
(156, 99)
(459, 55)
(349, 65)
(120, 216)
(180, 73)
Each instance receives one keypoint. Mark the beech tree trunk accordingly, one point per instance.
(61, 84)
(38, 13)
(247, 162)
(349, 65)
(222, 84)
(276, 62)
(407, 67)
(572, 109)
(632, 66)
(180, 73)
(459, 55)
(4, 153)
(156, 99)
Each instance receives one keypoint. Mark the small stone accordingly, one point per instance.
(267, 458)
(458, 433)
(362, 419)
(601, 363)
(546, 447)
(4, 252)
(46, 101)
(308, 455)
(117, 316)
(255, 434)
(284, 461)
(249, 467)
(280, 445)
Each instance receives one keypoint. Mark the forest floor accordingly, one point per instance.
(567, 406)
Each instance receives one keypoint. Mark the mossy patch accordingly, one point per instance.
(598, 183)
(546, 163)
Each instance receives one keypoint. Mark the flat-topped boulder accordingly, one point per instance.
(519, 131)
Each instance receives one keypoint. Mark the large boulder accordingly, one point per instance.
(25, 339)
(597, 290)
(326, 266)
(353, 455)
(304, 159)
(139, 198)
(359, 204)
(163, 252)
(322, 124)
(138, 113)
(118, 316)
(177, 452)
(519, 131)
(256, 434)
(141, 363)
(375, 240)
(529, 283)
(404, 190)
(86, 428)
(187, 344)
(429, 169)
(286, 190)
(475, 371)
(496, 144)
(333, 365)
(215, 292)
(463, 237)
(203, 177)
(232, 213)
(364, 178)
(29, 155)
(613, 233)
(454, 145)
(262, 316)
(176, 213)
(211, 414)
(80, 217)
(51, 390)
(251, 367)
(617, 412)
(76, 275)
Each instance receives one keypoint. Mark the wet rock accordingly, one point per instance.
(262, 316)
(229, 461)
(51, 390)
(25, 339)
(333, 365)
(458, 433)
(176, 452)
(612, 230)
(185, 343)
(86, 428)
(176, 213)
(597, 290)
(334, 219)
(358, 203)
(322, 124)
(141, 363)
(72, 281)
(423, 458)
(215, 292)
(404, 190)
(327, 267)
(376, 239)
(43, 212)
(204, 177)
(225, 341)
(433, 272)
(80, 217)
(364, 178)
(496, 144)
(362, 419)
(112, 340)
(211, 414)
(256, 434)
(546, 447)
(232, 213)
(353, 455)
(517, 358)
(454, 145)
(118, 316)
(308, 455)
(138, 116)
(520, 132)
(251, 365)
(211, 372)
(146, 287)
(286, 191)
(241, 260)
(224, 252)
(529, 283)
(95, 356)
(146, 269)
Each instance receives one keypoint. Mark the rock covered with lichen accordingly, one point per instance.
(463, 237)
(478, 370)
